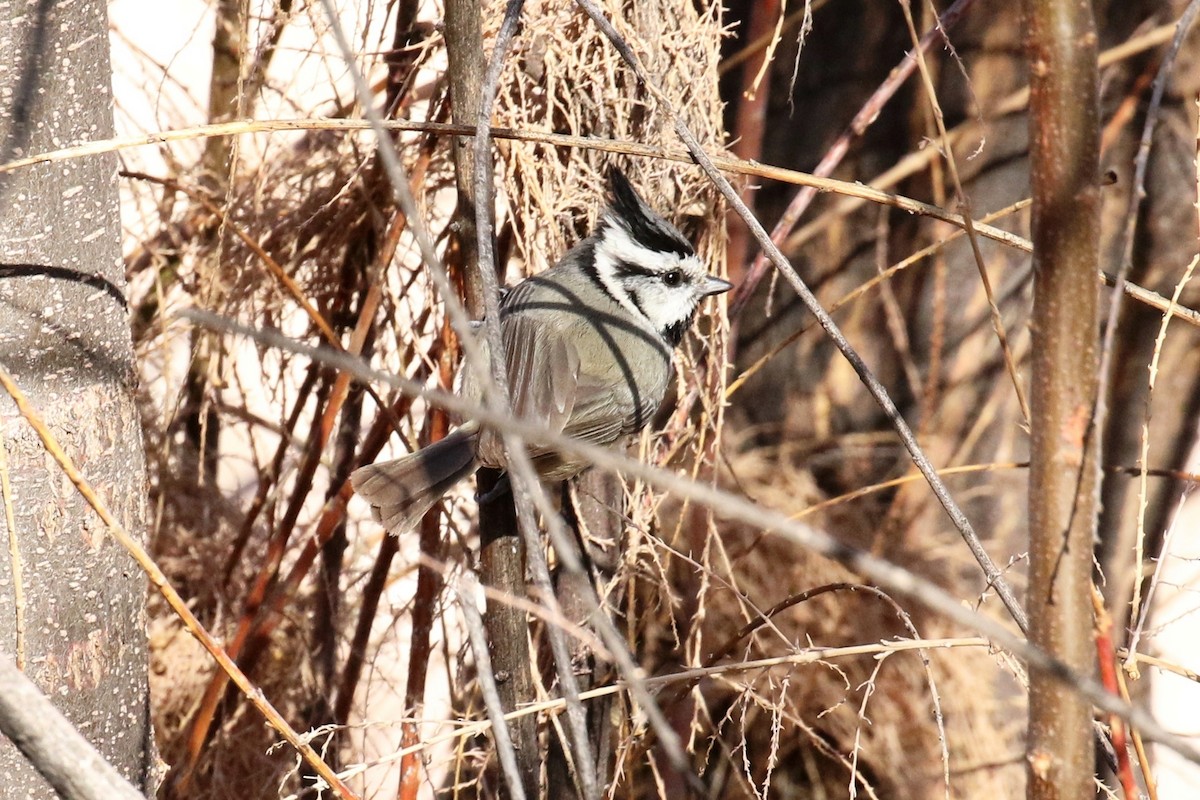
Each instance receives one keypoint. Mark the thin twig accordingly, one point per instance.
(15, 565)
(993, 574)
(964, 204)
(803, 657)
(1011, 104)
(487, 684)
(465, 731)
(862, 120)
(887, 575)
(1137, 194)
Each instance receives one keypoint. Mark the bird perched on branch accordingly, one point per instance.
(588, 348)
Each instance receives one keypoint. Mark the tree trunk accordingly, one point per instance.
(72, 603)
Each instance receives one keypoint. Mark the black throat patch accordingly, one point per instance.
(675, 332)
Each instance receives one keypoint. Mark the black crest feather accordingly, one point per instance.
(646, 227)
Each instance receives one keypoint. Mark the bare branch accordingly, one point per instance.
(487, 687)
(1064, 475)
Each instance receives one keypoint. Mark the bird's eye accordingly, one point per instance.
(672, 278)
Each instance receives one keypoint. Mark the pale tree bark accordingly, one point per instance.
(1064, 146)
(52, 744)
(72, 603)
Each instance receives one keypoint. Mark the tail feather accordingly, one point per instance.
(401, 491)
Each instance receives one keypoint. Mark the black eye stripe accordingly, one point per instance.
(628, 269)
(672, 277)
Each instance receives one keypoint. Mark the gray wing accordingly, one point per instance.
(543, 372)
(547, 387)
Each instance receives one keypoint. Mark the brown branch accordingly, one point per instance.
(225, 99)
(464, 52)
(209, 712)
(501, 550)
(248, 634)
(269, 476)
(593, 507)
(750, 122)
(856, 192)
(1064, 136)
(429, 589)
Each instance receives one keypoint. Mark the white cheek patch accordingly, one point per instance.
(666, 307)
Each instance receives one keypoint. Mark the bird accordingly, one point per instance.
(588, 346)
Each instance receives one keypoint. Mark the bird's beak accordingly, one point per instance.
(715, 285)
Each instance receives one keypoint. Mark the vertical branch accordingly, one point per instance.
(201, 423)
(224, 86)
(750, 123)
(464, 50)
(528, 494)
(502, 555)
(1064, 475)
(595, 512)
(502, 568)
(425, 607)
(467, 589)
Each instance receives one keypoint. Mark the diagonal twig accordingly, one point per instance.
(964, 203)
(993, 574)
(833, 157)
(1125, 248)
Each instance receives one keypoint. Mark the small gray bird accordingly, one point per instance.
(588, 345)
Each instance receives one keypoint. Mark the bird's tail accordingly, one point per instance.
(401, 491)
